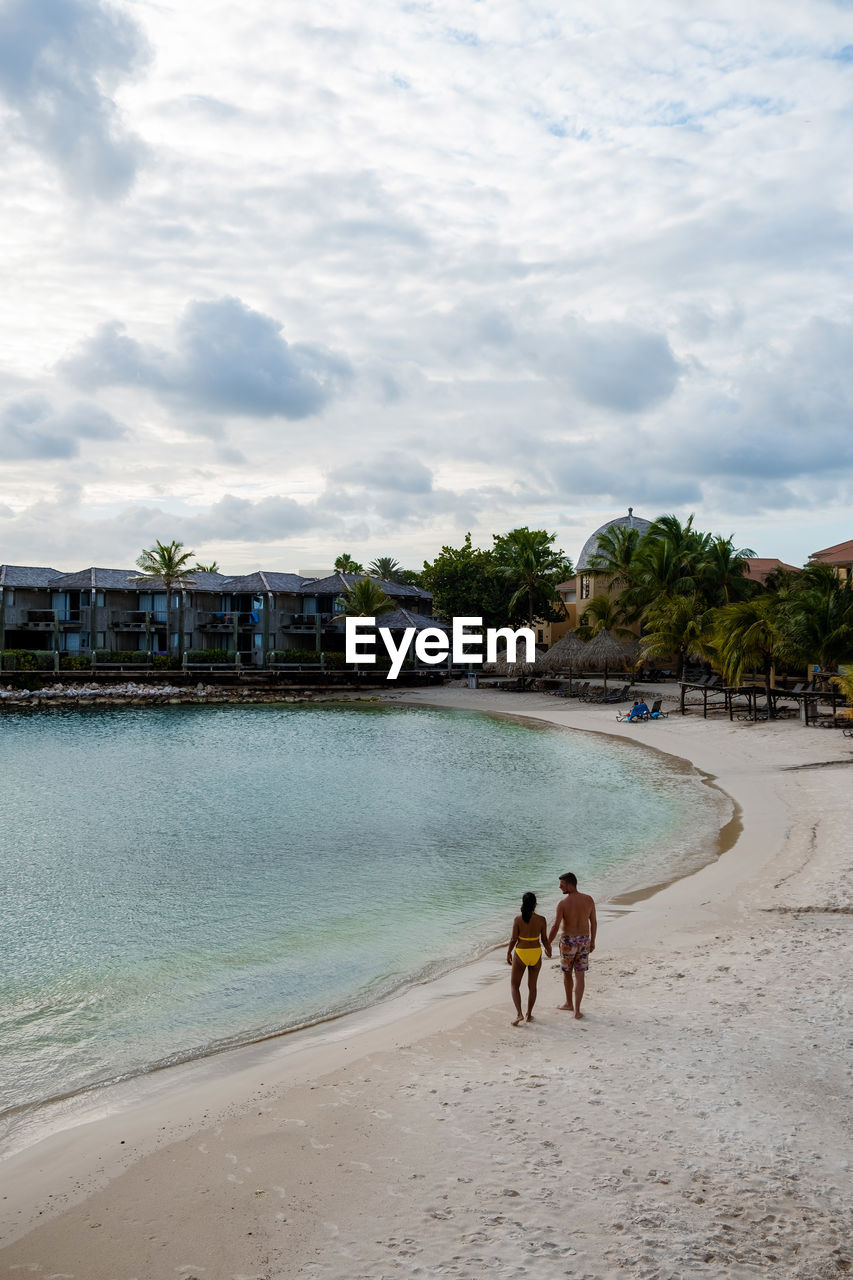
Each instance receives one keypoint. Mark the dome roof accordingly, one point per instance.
(630, 521)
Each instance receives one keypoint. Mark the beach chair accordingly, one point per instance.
(656, 713)
(617, 695)
(580, 690)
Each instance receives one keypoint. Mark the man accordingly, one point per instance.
(577, 925)
(639, 711)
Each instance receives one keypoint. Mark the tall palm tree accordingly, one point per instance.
(385, 567)
(679, 625)
(346, 564)
(213, 567)
(723, 571)
(614, 554)
(167, 562)
(365, 599)
(531, 568)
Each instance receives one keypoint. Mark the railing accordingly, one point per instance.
(44, 618)
(224, 621)
(307, 619)
(133, 618)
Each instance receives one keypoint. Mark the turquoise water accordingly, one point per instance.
(178, 879)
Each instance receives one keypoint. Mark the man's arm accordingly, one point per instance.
(593, 926)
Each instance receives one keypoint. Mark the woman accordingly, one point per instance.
(528, 940)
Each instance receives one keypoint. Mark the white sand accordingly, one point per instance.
(696, 1122)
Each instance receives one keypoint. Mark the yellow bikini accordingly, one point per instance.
(529, 955)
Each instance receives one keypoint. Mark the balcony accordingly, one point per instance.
(223, 621)
(135, 619)
(45, 619)
(307, 621)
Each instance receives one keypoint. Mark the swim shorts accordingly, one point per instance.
(574, 953)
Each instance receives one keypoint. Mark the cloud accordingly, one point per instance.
(57, 59)
(395, 471)
(31, 429)
(226, 358)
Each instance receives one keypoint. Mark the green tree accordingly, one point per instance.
(213, 567)
(167, 562)
(346, 564)
(463, 582)
(365, 599)
(531, 567)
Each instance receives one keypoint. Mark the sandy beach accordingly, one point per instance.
(696, 1121)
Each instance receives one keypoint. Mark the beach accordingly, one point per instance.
(695, 1122)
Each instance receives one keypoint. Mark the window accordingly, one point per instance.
(99, 599)
(9, 595)
(584, 586)
(100, 639)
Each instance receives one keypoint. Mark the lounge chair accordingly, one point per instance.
(617, 695)
(580, 691)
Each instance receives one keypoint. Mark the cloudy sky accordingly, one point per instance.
(286, 280)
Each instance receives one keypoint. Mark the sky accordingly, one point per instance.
(289, 280)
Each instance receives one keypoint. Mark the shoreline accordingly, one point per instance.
(51, 1115)
(372, 1094)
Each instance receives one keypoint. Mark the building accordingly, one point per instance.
(840, 557)
(112, 612)
(586, 583)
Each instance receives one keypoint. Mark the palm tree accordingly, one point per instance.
(213, 567)
(680, 625)
(365, 599)
(723, 571)
(346, 564)
(614, 555)
(817, 617)
(167, 563)
(531, 567)
(607, 615)
(385, 567)
(750, 635)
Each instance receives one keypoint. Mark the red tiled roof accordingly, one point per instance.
(841, 553)
(760, 567)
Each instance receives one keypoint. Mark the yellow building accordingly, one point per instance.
(586, 582)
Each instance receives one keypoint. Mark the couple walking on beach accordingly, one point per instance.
(576, 923)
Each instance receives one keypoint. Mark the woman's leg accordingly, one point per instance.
(532, 981)
(515, 988)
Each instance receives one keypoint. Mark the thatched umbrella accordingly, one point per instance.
(566, 655)
(604, 650)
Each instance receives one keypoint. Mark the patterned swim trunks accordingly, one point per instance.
(574, 953)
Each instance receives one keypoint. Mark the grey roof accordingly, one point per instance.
(337, 583)
(630, 521)
(199, 581)
(22, 575)
(402, 618)
(103, 579)
(266, 580)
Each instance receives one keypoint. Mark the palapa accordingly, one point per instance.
(604, 651)
(566, 655)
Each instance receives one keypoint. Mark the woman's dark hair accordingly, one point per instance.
(528, 902)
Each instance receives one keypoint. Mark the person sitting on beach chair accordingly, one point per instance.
(639, 711)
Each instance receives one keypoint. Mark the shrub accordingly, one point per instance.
(27, 660)
(212, 656)
(73, 662)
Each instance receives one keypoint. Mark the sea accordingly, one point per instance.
(178, 880)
